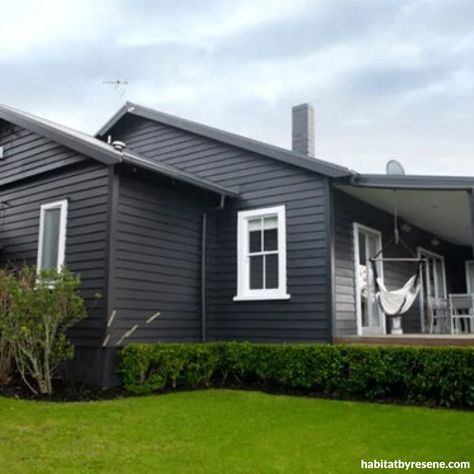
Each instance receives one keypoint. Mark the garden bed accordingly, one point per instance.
(64, 391)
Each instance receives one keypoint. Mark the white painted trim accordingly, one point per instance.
(429, 253)
(62, 205)
(244, 293)
(356, 227)
(355, 241)
(265, 295)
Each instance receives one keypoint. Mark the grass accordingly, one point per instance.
(224, 431)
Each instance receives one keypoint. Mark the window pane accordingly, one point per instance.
(270, 222)
(270, 233)
(255, 235)
(256, 272)
(372, 245)
(49, 256)
(255, 241)
(271, 271)
(270, 239)
(362, 256)
(255, 224)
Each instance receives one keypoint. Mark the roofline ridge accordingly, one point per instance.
(231, 138)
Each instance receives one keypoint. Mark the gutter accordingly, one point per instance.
(204, 266)
(412, 182)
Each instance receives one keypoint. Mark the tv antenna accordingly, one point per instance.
(117, 85)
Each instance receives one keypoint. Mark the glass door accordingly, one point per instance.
(367, 243)
(470, 276)
(434, 293)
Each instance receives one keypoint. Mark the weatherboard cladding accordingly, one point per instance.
(72, 139)
(157, 259)
(84, 185)
(348, 210)
(27, 154)
(86, 145)
(243, 143)
(262, 182)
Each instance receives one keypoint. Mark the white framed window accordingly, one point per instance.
(52, 236)
(261, 254)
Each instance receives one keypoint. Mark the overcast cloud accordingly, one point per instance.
(388, 79)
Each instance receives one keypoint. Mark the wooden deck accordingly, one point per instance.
(409, 340)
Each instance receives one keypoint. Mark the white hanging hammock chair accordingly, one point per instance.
(397, 302)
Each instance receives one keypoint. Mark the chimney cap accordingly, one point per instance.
(305, 105)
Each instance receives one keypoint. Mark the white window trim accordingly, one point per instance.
(355, 237)
(62, 205)
(244, 293)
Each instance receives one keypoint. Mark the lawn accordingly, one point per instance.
(224, 431)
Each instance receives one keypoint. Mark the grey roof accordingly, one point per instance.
(78, 141)
(412, 181)
(105, 153)
(101, 151)
(277, 153)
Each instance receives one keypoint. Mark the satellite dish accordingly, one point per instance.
(394, 167)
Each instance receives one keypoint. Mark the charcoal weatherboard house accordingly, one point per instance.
(182, 232)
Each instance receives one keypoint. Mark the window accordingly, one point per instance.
(261, 254)
(52, 236)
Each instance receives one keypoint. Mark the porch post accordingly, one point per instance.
(471, 207)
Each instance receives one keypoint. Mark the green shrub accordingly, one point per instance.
(152, 367)
(432, 376)
(7, 285)
(38, 311)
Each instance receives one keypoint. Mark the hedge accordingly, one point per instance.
(438, 376)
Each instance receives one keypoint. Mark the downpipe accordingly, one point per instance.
(203, 265)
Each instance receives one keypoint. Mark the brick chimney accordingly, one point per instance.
(302, 134)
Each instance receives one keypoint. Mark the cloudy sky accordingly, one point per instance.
(388, 78)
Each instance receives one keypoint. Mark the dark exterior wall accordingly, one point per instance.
(85, 188)
(27, 154)
(156, 264)
(35, 171)
(348, 210)
(262, 182)
(306, 316)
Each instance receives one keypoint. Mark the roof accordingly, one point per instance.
(439, 212)
(78, 141)
(255, 146)
(107, 154)
(101, 151)
(412, 181)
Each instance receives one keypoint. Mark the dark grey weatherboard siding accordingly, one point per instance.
(157, 258)
(262, 182)
(348, 210)
(85, 188)
(27, 154)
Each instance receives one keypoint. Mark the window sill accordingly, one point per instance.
(262, 297)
